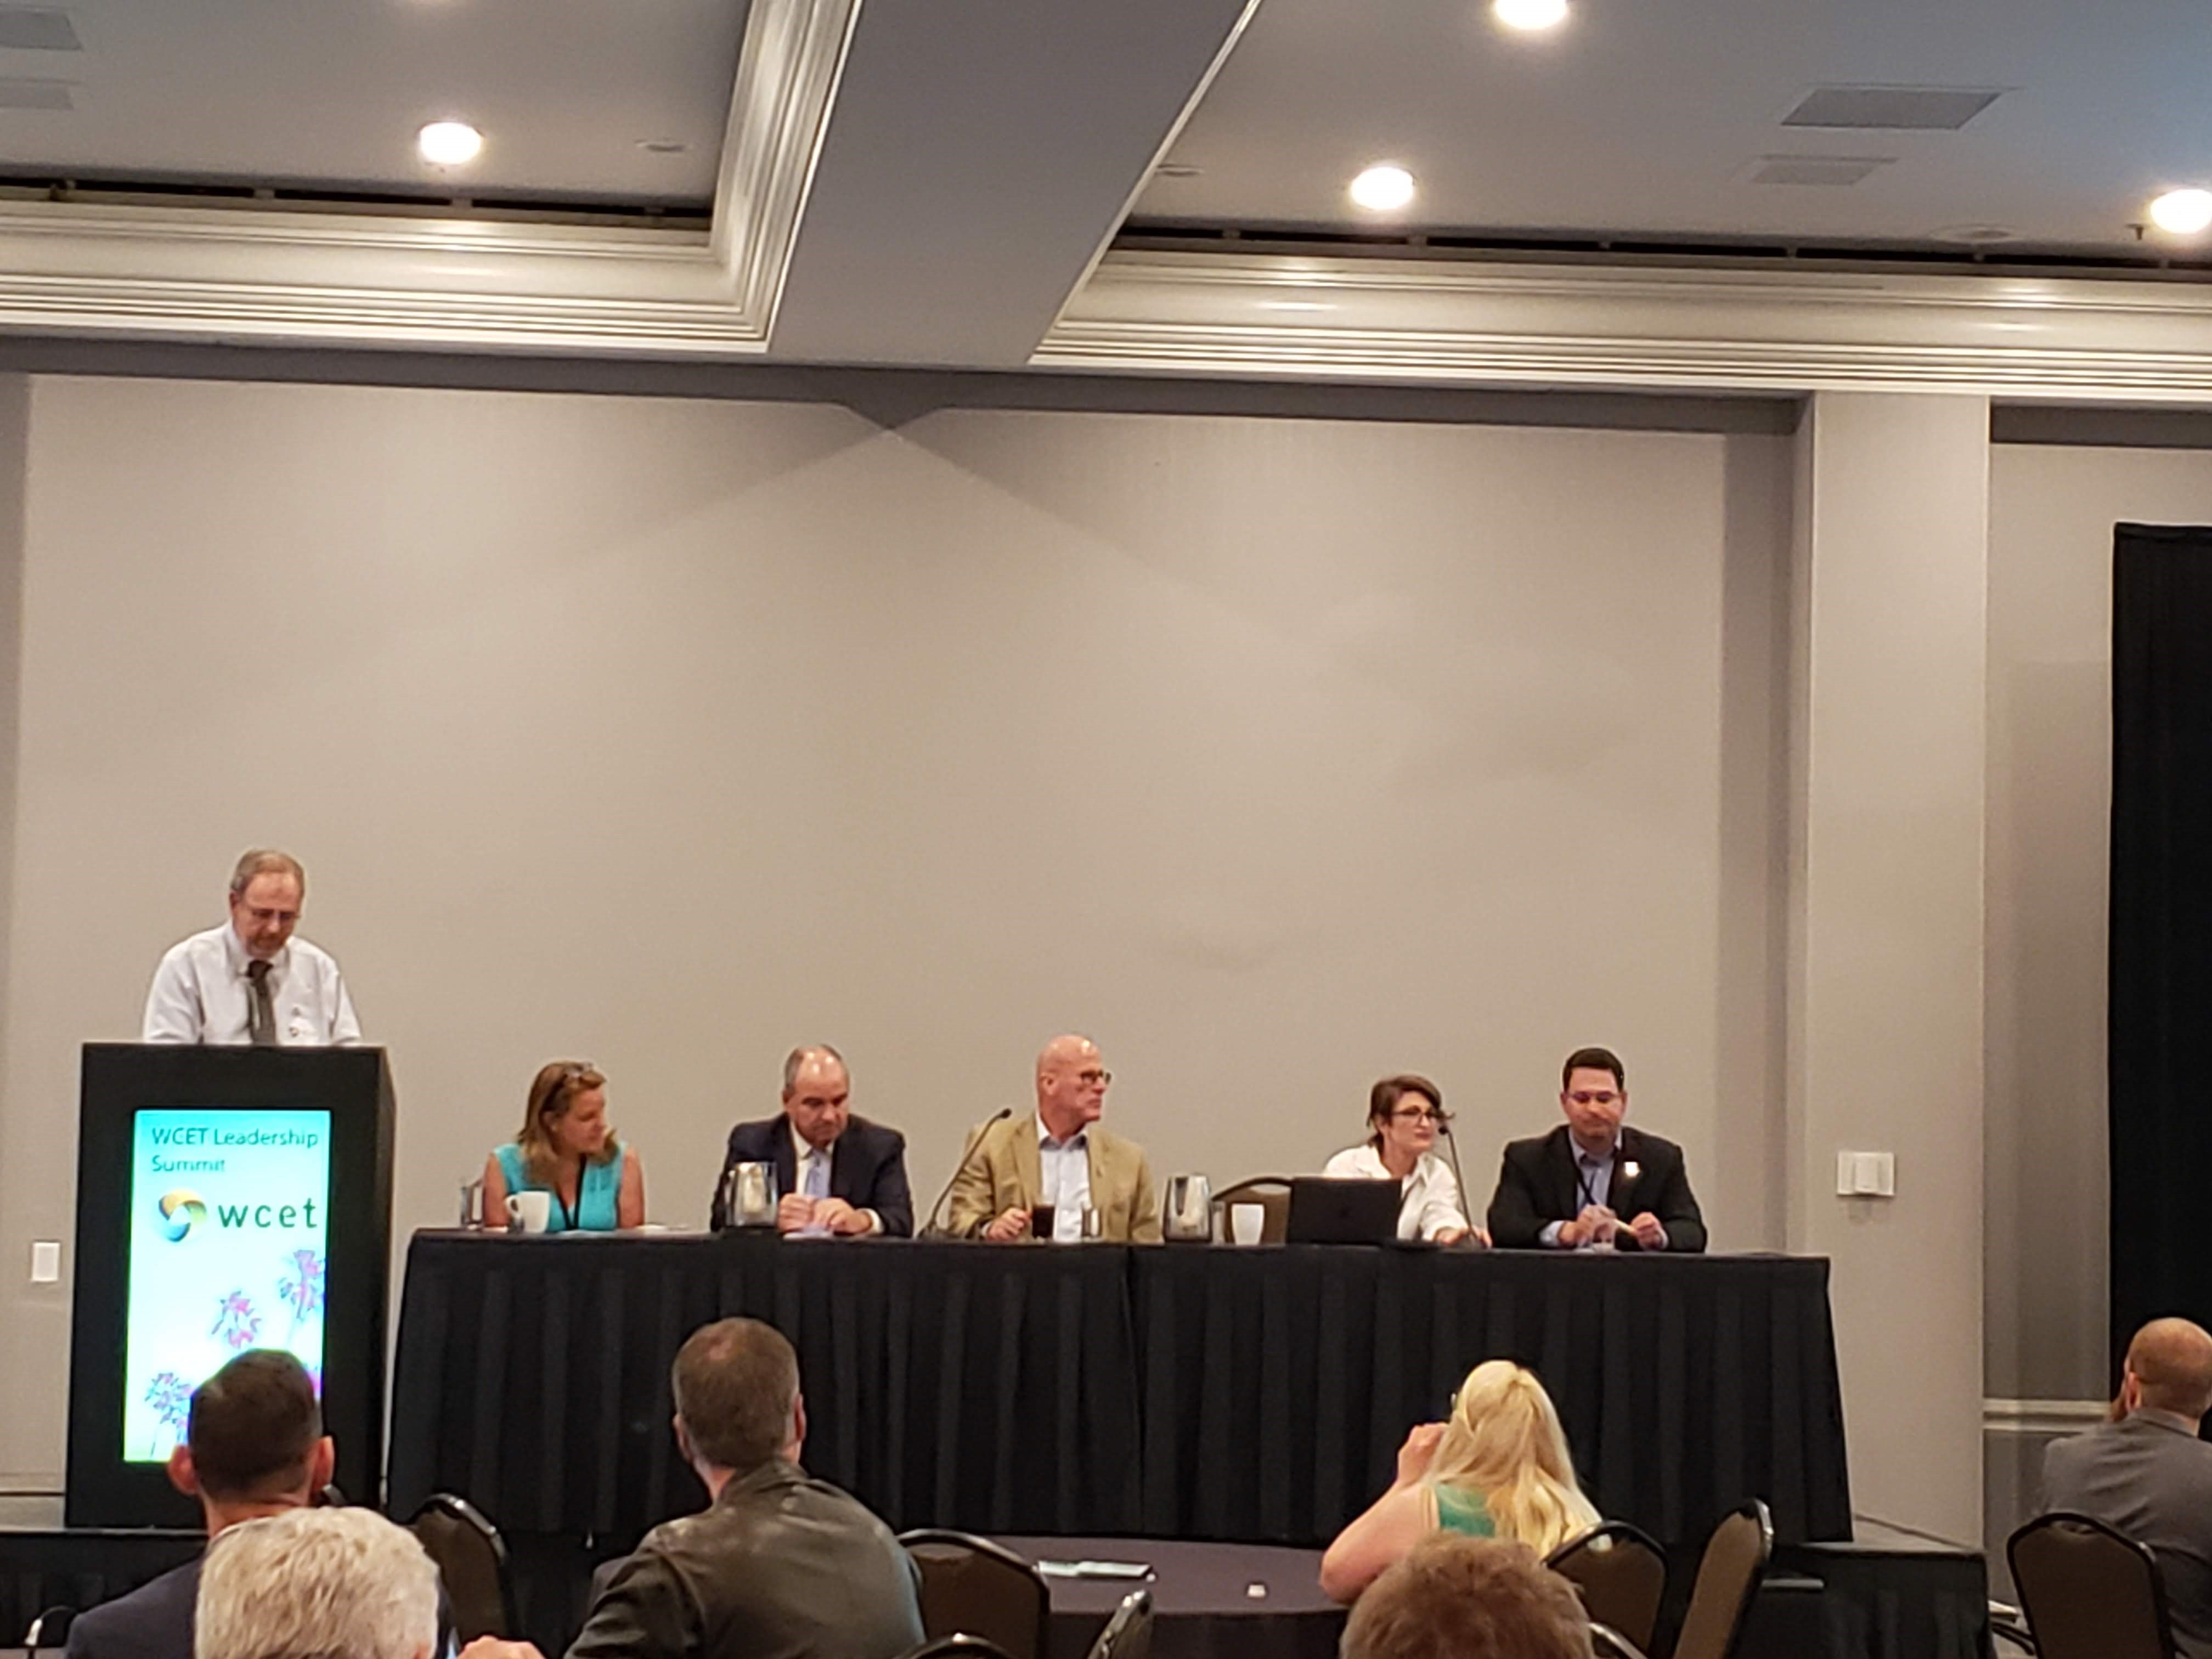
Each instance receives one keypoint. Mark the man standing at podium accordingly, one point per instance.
(249, 981)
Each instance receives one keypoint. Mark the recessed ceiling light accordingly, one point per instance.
(449, 143)
(2183, 212)
(1383, 189)
(1530, 14)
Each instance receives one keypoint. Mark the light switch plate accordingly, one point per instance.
(1866, 1174)
(46, 1260)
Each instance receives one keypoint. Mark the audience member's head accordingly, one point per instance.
(1070, 1084)
(2169, 1369)
(254, 1443)
(736, 1400)
(1504, 1442)
(1455, 1597)
(337, 1583)
(818, 1093)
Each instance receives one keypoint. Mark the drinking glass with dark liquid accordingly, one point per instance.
(1041, 1221)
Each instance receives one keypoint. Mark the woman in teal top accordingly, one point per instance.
(1497, 1468)
(566, 1151)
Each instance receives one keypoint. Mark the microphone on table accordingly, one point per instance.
(929, 1228)
(1451, 1141)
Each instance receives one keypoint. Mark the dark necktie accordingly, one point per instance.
(261, 1014)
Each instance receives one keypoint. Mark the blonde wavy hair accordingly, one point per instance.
(1504, 1444)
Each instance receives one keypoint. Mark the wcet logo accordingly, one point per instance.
(181, 1210)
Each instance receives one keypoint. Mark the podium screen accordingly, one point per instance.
(228, 1250)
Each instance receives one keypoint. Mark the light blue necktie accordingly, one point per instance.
(818, 1175)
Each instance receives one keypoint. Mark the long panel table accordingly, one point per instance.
(1243, 1395)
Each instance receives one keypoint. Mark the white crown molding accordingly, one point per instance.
(324, 279)
(331, 279)
(1709, 329)
(793, 59)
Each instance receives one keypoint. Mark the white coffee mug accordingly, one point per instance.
(531, 1212)
(1247, 1222)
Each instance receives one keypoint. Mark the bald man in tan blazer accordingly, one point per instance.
(1057, 1156)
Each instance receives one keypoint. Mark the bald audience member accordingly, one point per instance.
(2146, 1474)
(1059, 1157)
(1452, 1596)
(254, 1447)
(249, 981)
(343, 1583)
(840, 1175)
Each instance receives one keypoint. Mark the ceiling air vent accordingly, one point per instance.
(36, 95)
(1816, 169)
(38, 29)
(1893, 109)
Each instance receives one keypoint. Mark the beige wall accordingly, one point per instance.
(1274, 752)
(2052, 507)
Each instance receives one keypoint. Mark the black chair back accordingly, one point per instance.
(1728, 1576)
(1620, 1575)
(471, 1563)
(973, 1587)
(1129, 1633)
(956, 1647)
(2089, 1591)
(49, 1631)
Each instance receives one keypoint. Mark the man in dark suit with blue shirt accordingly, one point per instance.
(254, 1447)
(841, 1176)
(1592, 1182)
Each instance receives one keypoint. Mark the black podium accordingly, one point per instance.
(227, 1199)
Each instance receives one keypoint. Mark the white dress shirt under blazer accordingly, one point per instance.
(1430, 1204)
(201, 994)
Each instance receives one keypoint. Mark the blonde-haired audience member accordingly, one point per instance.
(1454, 1597)
(1497, 1468)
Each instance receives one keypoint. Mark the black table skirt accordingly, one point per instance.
(1280, 1383)
(1255, 1395)
(945, 1384)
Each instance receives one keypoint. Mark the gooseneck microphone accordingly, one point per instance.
(1451, 1141)
(929, 1228)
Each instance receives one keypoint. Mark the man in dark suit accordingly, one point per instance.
(2146, 1474)
(1570, 1189)
(840, 1175)
(254, 1446)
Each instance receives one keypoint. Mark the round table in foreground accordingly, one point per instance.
(1204, 1605)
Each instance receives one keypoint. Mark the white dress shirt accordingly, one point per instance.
(1065, 1168)
(201, 994)
(804, 1156)
(1429, 1202)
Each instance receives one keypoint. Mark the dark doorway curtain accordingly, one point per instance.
(2160, 1010)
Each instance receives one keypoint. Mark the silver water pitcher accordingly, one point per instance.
(1187, 1216)
(749, 1195)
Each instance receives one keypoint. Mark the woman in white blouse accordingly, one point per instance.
(1405, 1114)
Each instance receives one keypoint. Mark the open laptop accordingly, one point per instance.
(1328, 1209)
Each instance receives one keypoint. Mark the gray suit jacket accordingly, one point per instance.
(778, 1567)
(2151, 1478)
